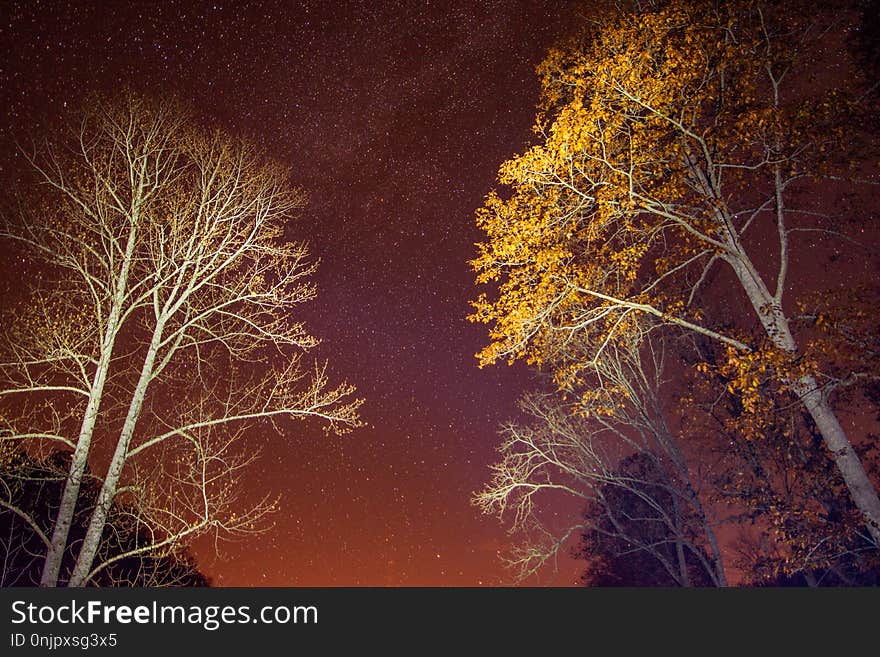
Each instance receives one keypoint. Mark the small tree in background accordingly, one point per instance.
(628, 539)
(611, 449)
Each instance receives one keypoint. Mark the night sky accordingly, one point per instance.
(394, 117)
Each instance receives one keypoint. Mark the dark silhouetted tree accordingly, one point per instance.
(628, 539)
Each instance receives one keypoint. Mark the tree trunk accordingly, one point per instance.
(775, 323)
(70, 496)
(664, 437)
(684, 575)
(862, 490)
(61, 530)
(98, 521)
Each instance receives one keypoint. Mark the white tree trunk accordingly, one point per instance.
(70, 496)
(61, 530)
(862, 490)
(775, 323)
(98, 521)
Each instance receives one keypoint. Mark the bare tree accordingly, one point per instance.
(572, 448)
(164, 251)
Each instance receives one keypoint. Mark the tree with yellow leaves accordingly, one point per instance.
(163, 325)
(676, 137)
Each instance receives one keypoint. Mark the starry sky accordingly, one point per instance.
(394, 116)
